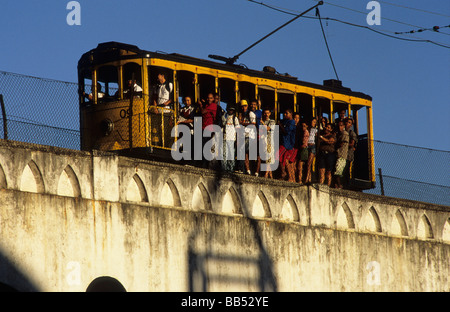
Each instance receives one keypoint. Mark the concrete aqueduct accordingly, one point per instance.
(68, 218)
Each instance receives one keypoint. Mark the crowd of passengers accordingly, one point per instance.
(300, 140)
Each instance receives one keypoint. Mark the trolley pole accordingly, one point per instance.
(5, 121)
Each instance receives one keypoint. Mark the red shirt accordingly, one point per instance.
(209, 115)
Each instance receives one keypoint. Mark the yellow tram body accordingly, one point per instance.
(111, 120)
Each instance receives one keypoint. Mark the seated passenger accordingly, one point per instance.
(90, 96)
(137, 90)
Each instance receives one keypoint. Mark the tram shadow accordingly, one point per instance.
(12, 279)
(223, 257)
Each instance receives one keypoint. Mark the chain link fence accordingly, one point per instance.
(411, 172)
(44, 111)
(40, 111)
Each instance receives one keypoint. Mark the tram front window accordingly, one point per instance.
(107, 83)
(132, 80)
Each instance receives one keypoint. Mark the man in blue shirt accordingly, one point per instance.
(287, 152)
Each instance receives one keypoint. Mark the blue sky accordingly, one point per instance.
(409, 81)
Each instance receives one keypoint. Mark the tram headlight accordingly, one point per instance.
(106, 126)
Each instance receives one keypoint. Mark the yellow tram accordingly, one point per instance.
(117, 110)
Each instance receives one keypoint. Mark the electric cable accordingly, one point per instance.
(326, 42)
(384, 32)
(411, 8)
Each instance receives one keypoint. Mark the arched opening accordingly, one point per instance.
(105, 284)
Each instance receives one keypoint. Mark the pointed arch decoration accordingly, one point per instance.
(376, 220)
(260, 206)
(136, 191)
(68, 184)
(31, 179)
(424, 229)
(399, 226)
(231, 202)
(169, 195)
(201, 199)
(446, 231)
(345, 217)
(3, 182)
(289, 211)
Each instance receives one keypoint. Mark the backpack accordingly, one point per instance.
(219, 113)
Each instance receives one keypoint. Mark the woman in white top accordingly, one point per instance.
(311, 148)
(229, 121)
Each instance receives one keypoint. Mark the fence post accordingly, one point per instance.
(381, 181)
(5, 121)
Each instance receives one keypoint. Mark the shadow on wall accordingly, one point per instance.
(12, 279)
(202, 263)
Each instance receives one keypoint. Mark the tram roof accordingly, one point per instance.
(113, 51)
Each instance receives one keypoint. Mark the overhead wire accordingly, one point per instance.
(411, 8)
(384, 18)
(381, 32)
(326, 43)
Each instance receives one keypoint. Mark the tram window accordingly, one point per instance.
(266, 95)
(354, 115)
(207, 84)
(360, 120)
(246, 91)
(86, 89)
(285, 101)
(107, 76)
(227, 92)
(304, 106)
(339, 107)
(132, 71)
(153, 80)
(323, 108)
(186, 85)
